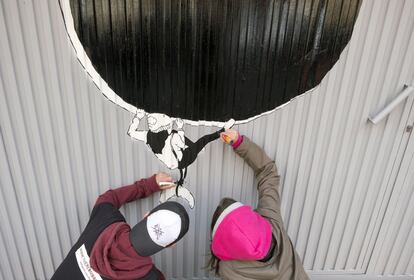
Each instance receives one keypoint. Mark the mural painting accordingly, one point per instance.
(216, 63)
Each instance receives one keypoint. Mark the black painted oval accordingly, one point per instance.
(213, 59)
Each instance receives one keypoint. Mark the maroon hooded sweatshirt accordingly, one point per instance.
(113, 255)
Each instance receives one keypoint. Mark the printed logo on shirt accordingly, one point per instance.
(84, 266)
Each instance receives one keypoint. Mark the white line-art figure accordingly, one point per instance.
(165, 137)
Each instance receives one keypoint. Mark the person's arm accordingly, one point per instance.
(133, 128)
(265, 171)
(140, 189)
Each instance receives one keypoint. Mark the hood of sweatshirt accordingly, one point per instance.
(113, 255)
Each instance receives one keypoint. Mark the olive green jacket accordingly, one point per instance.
(285, 263)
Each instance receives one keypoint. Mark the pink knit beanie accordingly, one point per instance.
(241, 234)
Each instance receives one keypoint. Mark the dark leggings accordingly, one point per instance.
(192, 150)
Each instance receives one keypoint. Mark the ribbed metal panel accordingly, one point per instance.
(62, 143)
(198, 59)
(394, 249)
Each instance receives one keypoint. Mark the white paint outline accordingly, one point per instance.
(102, 85)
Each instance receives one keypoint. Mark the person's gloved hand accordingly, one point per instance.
(164, 181)
(229, 136)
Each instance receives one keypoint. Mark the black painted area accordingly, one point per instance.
(213, 59)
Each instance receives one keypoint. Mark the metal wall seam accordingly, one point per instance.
(403, 249)
(401, 222)
(386, 240)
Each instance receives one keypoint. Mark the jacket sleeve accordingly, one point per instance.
(120, 196)
(267, 177)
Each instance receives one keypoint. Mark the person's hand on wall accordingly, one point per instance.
(164, 181)
(229, 136)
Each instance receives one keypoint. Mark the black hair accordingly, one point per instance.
(214, 262)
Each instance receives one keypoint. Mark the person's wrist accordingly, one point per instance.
(152, 183)
(238, 142)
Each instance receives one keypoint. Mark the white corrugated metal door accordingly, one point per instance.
(393, 252)
(347, 197)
